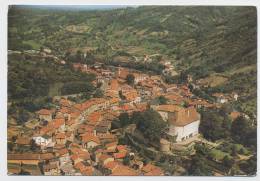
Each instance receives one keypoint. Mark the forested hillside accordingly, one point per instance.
(216, 42)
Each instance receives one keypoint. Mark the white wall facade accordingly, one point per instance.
(164, 115)
(184, 132)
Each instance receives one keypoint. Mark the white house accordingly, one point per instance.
(183, 122)
(43, 142)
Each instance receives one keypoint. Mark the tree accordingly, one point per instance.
(23, 116)
(98, 93)
(199, 166)
(162, 100)
(249, 166)
(130, 79)
(228, 162)
(126, 160)
(33, 145)
(202, 150)
(121, 95)
(213, 126)
(150, 123)
(124, 119)
(233, 150)
(241, 125)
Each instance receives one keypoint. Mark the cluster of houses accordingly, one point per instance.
(76, 138)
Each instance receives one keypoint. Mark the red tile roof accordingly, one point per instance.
(122, 170)
(88, 138)
(234, 115)
(168, 108)
(111, 165)
(121, 147)
(60, 136)
(94, 117)
(56, 123)
(114, 85)
(120, 155)
(44, 112)
(185, 116)
(62, 151)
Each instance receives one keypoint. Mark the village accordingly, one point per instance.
(78, 139)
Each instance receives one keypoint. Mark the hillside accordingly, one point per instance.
(199, 41)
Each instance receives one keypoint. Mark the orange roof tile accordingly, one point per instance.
(111, 165)
(103, 157)
(74, 157)
(149, 167)
(122, 170)
(168, 108)
(60, 136)
(114, 85)
(79, 165)
(111, 144)
(185, 116)
(94, 117)
(121, 147)
(88, 138)
(62, 151)
(56, 123)
(119, 155)
(234, 115)
(44, 112)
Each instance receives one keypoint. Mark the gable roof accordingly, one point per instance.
(87, 138)
(44, 112)
(184, 117)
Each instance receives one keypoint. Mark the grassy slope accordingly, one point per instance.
(198, 40)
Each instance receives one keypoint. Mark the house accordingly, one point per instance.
(51, 168)
(122, 170)
(103, 127)
(234, 115)
(220, 98)
(183, 122)
(122, 73)
(29, 158)
(151, 170)
(69, 136)
(43, 142)
(45, 114)
(235, 96)
(137, 165)
(164, 145)
(60, 138)
(120, 155)
(23, 140)
(58, 125)
(88, 170)
(107, 138)
(81, 153)
(104, 159)
(62, 152)
(64, 159)
(95, 117)
(76, 159)
(111, 146)
(90, 141)
(139, 77)
(112, 165)
(164, 110)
